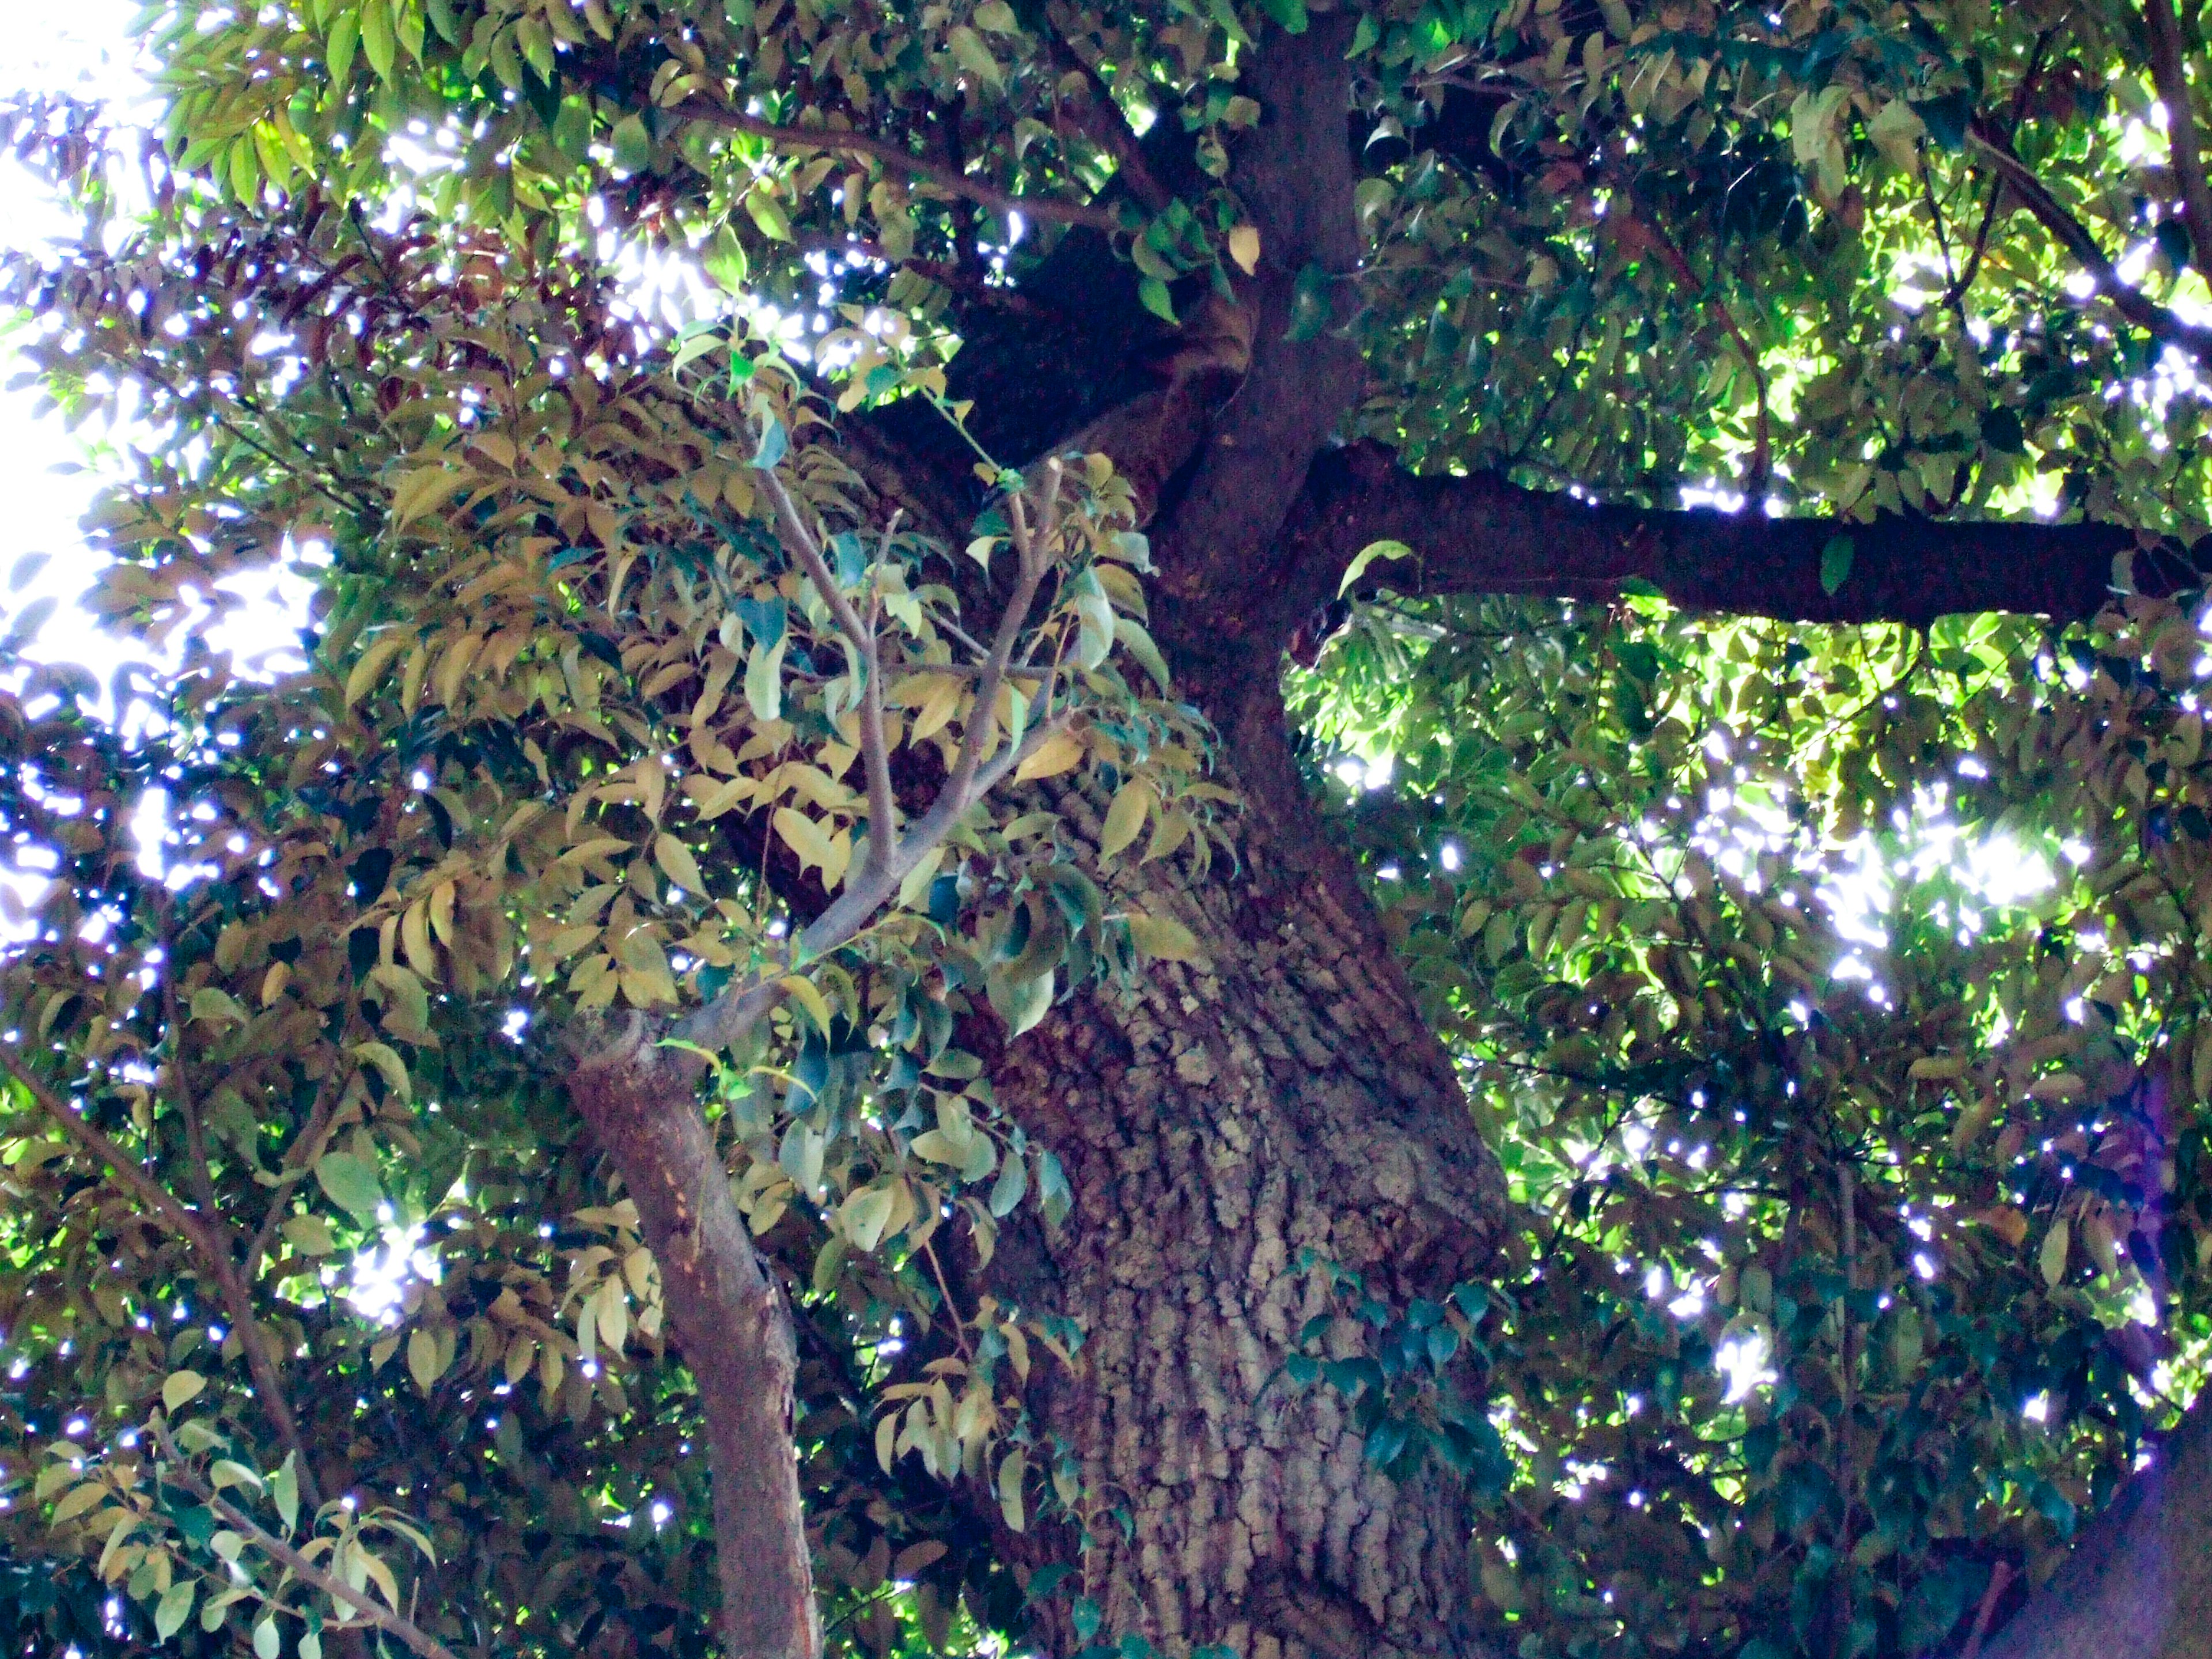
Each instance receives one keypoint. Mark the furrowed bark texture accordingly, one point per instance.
(2138, 1585)
(1218, 1123)
(639, 1103)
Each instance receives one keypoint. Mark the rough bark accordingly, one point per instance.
(2138, 1584)
(1217, 1121)
(639, 1100)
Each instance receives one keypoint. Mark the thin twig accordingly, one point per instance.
(731, 1015)
(200, 1234)
(875, 753)
(893, 154)
(1106, 124)
(2020, 95)
(2000, 1576)
(156, 1198)
(392, 1624)
(299, 1158)
(218, 1242)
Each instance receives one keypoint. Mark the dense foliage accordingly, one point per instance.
(1832, 997)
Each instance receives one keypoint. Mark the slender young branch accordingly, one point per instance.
(218, 1244)
(2169, 72)
(1104, 123)
(299, 1158)
(157, 1199)
(2020, 95)
(392, 1624)
(893, 154)
(875, 752)
(733, 1015)
(203, 1235)
(2132, 303)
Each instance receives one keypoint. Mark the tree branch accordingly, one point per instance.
(205, 1236)
(875, 754)
(420, 1640)
(157, 1199)
(2169, 72)
(952, 180)
(1480, 534)
(2131, 303)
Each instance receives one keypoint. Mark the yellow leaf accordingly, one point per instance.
(443, 899)
(416, 492)
(676, 861)
(415, 939)
(802, 991)
(181, 1389)
(1055, 755)
(386, 1061)
(805, 837)
(1126, 816)
(2052, 1259)
(1163, 937)
(422, 1358)
(1244, 247)
(371, 668)
(940, 696)
(1010, 1474)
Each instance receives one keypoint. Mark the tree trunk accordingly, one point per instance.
(1219, 1121)
(2138, 1585)
(639, 1101)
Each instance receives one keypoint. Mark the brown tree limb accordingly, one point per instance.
(404, 1630)
(2137, 1585)
(2169, 72)
(2138, 308)
(952, 180)
(1480, 534)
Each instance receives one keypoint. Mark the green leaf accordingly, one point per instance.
(181, 1389)
(351, 1185)
(1366, 556)
(1153, 295)
(1835, 564)
(1310, 303)
(633, 144)
(174, 1607)
(774, 444)
(345, 38)
(1291, 14)
(284, 1487)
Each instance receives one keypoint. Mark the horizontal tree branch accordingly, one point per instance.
(893, 154)
(1480, 534)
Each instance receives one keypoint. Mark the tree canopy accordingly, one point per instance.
(1517, 682)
